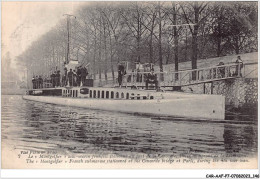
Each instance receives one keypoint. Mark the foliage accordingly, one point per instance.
(105, 33)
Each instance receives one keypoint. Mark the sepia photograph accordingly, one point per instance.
(129, 85)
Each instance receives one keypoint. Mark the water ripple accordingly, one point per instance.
(39, 126)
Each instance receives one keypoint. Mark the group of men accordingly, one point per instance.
(150, 78)
(78, 76)
(75, 77)
(72, 78)
(55, 79)
(37, 82)
(237, 72)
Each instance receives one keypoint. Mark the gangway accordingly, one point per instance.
(179, 79)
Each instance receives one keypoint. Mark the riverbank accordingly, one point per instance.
(240, 93)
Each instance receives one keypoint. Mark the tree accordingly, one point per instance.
(134, 19)
(176, 33)
(103, 34)
(219, 27)
(158, 17)
(242, 24)
(113, 18)
(195, 13)
(151, 13)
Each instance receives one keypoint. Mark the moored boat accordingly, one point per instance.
(134, 101)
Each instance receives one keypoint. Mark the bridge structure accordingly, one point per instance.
(176, 80)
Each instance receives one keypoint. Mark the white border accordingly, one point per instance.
(169, 173)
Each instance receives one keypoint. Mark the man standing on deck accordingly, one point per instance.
(121, 71)
(151, 78)
(78, 76)
(53, 79)
(37, 82)
(70, 77)
(65, 77)
(40, 82)
(34, 82)
(84, 74)
(74, 77)
(57, 78)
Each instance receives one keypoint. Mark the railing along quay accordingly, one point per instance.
(182, 77)
(190, 77)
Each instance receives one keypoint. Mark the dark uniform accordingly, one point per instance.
(53, 79)
(57, 79)
(70, 77)
(78, 76)
(84, 74)
(34, 83)
(151, 78)
(65, 77)
(45, 81)
(74, 78)
(121, 72)
(40, 82)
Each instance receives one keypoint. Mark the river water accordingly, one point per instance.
(29, 125)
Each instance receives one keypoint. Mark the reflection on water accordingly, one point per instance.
(39, 126)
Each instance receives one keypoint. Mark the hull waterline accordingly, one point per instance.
(201, 106)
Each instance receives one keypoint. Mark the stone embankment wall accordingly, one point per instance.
(239, 92)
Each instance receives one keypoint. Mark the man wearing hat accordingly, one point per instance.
(34, 82)
(239, 66)
(151, 78)
(70, 77)
(121, 73)
(57, 78)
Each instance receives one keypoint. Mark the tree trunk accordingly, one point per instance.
(94, 58)
(175, 33)
(112, 68)
(160, 42)
(194, 41)
(111, 57)
(105, 51)
(151, 47)
(138, 37)
(194, 55)
(168, 54)
(176, 56)
(100, 49)
(237, 45)
(151, 40)
(219, 37)
(219, 46)
(194, 52)
(186, 45)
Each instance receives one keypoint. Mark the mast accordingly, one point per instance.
(68, 40)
